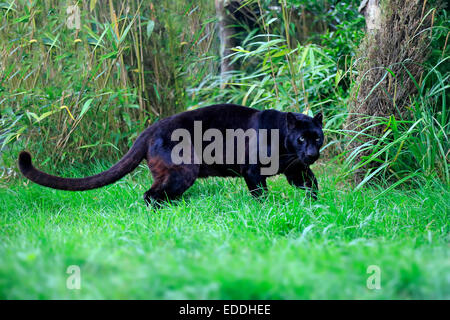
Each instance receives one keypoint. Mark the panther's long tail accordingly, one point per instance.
(125, 165)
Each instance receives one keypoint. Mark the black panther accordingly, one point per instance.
(300, 139)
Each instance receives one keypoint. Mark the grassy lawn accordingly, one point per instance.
(219, 243)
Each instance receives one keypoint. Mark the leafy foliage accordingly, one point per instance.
(69, 93)
(73, 94)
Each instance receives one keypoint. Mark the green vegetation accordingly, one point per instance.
(218, 242)
(77, 99)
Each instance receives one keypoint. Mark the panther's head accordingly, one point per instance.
(304, 136)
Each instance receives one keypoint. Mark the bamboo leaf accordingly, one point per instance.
(150, 27)
(92, 5)
(85, 108)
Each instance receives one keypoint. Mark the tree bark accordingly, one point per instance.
(396, 41)
(371, 10)
(225, 34)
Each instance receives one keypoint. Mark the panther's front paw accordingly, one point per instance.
(151, 201)
(313, 195)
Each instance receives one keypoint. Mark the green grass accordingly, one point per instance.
(219, 243)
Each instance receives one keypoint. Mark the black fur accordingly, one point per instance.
(300, 140)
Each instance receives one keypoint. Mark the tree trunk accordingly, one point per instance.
(225, 33)
(371, 10)
(389, 62)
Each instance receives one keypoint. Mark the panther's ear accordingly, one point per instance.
(291, 120)
(318, 118)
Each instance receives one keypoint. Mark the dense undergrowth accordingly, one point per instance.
(73, 95)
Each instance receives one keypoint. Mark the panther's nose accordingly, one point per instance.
(311, 157)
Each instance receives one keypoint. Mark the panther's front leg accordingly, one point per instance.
(304, 179)
(256, 183)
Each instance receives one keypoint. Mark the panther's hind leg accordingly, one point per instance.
(170, 181)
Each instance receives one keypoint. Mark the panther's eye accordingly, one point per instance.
(318, 139)
(301, 139)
